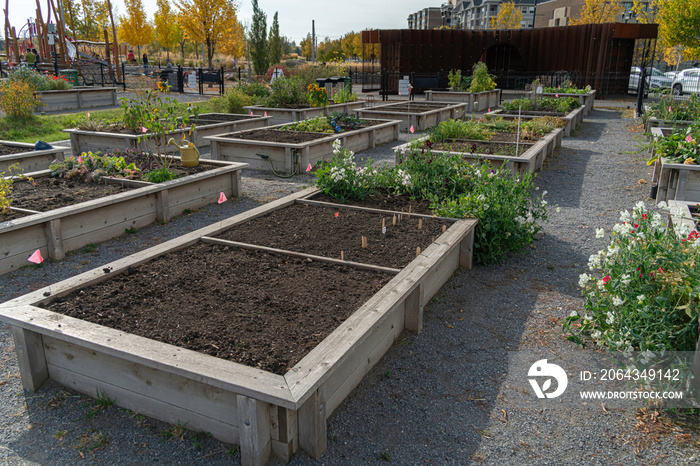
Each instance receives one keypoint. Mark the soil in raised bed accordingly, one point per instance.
(482, 147)
(534, 112)
(276, 135)
(8, 150)
(324, 231)
(46, 193)
(410, 108)
(219, 117)
(263, 310)
(384, 201)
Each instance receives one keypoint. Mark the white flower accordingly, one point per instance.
(617, 301)
(662, 205)
(558, 209)
(599, 233)
(625, 279)
(544, 193)
(641, 298)
(594, 261)
(640, 207)
(583, 279)
(613, 251)
(486, 207)
(696, 243)
(646, 356)
(625, 216)
(574, 313)
(481, 197)
(611, 318)
(544, 203)
(601, 285)
(587, 317)
(596, 335)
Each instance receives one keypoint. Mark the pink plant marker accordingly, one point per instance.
(489, 110)
(36, 257)
(222, 198)
(143, 129)
(689, 138)
(308, 169)
(251, 113)
(88, 115)
(265, 113)
(556, 95)
(337, 213)
(80, 159)
(669, 109)
(412, 129)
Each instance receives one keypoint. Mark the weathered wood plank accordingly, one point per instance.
(313, 436)
(307, 201)
(30, 358)
(254, 428)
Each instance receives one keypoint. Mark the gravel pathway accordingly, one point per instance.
(442, 397)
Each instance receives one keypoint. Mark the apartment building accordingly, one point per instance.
(427, 18)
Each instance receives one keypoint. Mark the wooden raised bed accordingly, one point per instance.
(425, 115)
(573, 119)
(654, 122)
(86, 141)
(68, 228)
(675, 181)
(586, 100)
(288, 115)
(262, 412)
(30, 160)
(530, 161)
(77, 98)
(288, 157)
(476, 101)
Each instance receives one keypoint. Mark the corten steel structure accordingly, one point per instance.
(599, 55)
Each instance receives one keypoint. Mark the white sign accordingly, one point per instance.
(539, 89)
(403, 86)
(192, 79)
(277, 73)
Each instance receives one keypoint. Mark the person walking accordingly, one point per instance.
(145, 63)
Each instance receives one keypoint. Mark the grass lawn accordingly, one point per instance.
(50, 128)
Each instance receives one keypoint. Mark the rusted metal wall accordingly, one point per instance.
(600, 53)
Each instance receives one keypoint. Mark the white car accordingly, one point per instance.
(687, 82)
(671, 74)
(655, 79)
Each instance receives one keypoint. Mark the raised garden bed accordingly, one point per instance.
(264, 411)
(68, 228)
(420, 115)
(654, 122)
(675, 181)
(77, 98)
(29, 160)
(291, 151)
(95, 141)
(476, 101)
(529, 160)
(288, 115)
(573, 119)
(586, 100)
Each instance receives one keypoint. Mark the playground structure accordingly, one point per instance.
(52, 42)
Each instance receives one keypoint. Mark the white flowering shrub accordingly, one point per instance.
(643, 291)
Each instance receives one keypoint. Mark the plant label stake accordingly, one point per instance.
(342, 256)
(222, 198)
(383, 226)
(36, 257)
(364, 242)
(418, 251)
(444, 228)
(393, 221)
(409, 211)
(420, 223)
(517, 140)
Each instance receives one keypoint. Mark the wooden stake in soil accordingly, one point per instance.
(393, 221)
(409, 211)
(444, 228)
(383, 226)
(364, 242)
(420, 223)
(418, 251)
(342, 257)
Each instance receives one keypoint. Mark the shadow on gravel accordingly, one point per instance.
(569, 165)
(431, 398)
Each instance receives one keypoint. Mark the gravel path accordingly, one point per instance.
(442, 397)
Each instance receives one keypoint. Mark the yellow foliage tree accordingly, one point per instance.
(207, 21)
(134, 28)
(509, 17)
(234, 41)
(598, 11)
(166, 26)
(306, 49)
(679, 22)
(95, 16)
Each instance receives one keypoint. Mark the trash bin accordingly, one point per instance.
(71, 76)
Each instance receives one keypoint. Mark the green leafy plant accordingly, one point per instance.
(670, 108)
(344, 95)
(481, 79)
(159, 175)
(643, 290)
(17, 99)
(551, 104)
(90, 167)
(285, 93)
(233, 101)
(460, 129)
(6, 182)
(319, 124)
(678, 147)
(454, 79)
(317, 96)
(342, 178)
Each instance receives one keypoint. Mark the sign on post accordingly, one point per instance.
(403, 85)
(192, 79)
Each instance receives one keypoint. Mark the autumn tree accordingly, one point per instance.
(257, 40)
(134, 28)
(234, 41)
(679, 22)
(306, 47)
(598, 11)
(207, 21)
(95, 15)
(166, 25)
(509, 17)
(275, 44)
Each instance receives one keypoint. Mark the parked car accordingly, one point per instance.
(687, 82)
(671, 74)
(655, 79)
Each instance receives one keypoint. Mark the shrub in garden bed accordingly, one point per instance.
(678, 147)
(643, 290)
(544, 104)
(507, 210)
(335, 123)
(671, 109)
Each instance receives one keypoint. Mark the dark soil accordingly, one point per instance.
(535, 112)
(263, 310)
(381, 200)
(482, 147)
(219, 117)
(276, 135)
(318, 231)
(7, 150)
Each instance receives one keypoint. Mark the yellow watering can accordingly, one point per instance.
(188, 152)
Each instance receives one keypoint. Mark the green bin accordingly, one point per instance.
(71, 76)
